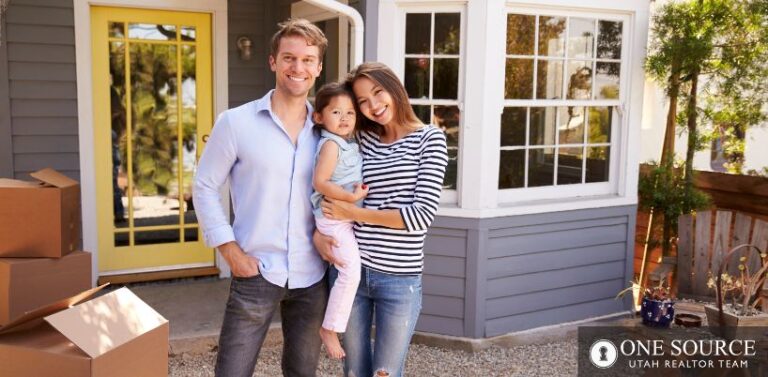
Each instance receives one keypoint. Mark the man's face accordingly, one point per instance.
(296, 66)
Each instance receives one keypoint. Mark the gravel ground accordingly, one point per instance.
(554, 359)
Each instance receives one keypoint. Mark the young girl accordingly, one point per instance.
(338, 175)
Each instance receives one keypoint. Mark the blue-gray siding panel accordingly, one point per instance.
(555, 260)
(550, 240)
(551, 316)
(440, 325)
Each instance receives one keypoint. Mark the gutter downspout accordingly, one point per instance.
(357, 26)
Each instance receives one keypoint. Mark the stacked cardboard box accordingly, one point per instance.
(43, 274)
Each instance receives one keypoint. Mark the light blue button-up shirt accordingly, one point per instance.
(270, 184)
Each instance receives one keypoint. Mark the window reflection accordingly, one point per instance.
(541, 167)
(609, 40)
(518, 82)
(417, 32)
(571, 126)
(569, 164)
(152, 32)
(512, 169)
(607, 80)
(447, 33)
(521, 31)
(551, 36)
(581, 38)
(549, 79)
(417, 77)
(579, 80)
(513, 126)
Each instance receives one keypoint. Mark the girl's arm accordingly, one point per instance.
(326, 163)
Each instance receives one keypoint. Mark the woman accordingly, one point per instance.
(403, 165)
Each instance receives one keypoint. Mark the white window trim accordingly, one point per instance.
(394, 57)
(484, 99)
(83, 54)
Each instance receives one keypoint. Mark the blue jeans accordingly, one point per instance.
(394, 301)
(252, 303)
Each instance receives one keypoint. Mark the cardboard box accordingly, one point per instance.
(115, 335)
(29, 283)
(39, 219)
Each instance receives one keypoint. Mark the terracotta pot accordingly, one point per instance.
(736, 326)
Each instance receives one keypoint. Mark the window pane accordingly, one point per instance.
(451, 171)
(447, 119)
(541, 167)
(598, 162)
(512, 169)
(569, 163)
(519, 79)
(513, 126)
(551, 36)
(188, 33)
(445, 84)
(190, 235)
(116, 30)
(417, 77)
(447, 33)
(543, 120)
(609, 40)
(520, 34)
(599, 125)
(423, 113)
(579, 80)
(571, 129)
(152, 31)
(118, 136)
(581, 38)
(417, 32)
(607, 80)
(188, 128)
(549, 79)
(157, 236)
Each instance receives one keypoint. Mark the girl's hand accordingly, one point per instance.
(361, 191)
(338, 209)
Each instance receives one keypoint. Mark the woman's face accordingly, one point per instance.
(375, 103)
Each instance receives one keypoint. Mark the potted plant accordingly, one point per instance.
(657, 307)
(727, 319)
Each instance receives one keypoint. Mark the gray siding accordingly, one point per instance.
(444, 281)
(256, 19)
(40, 88)
(489, 277)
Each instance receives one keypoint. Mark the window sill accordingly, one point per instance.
(537, 206)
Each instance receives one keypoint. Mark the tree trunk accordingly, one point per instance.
(691, 112)
(668, 149)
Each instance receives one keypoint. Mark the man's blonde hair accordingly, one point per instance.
(301, 28)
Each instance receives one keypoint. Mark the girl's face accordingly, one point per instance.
(375, 103)
(338, 117)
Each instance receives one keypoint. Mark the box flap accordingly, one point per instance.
(33, 317)
(107, 322)
(5, 182)
(53, 178)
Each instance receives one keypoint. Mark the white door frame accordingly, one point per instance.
(83, 56)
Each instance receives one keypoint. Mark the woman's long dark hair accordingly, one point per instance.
(381, 75)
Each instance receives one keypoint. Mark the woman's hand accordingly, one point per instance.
(338, 209)
(324, 245)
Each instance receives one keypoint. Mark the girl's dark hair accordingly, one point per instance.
(383, 76)
(327, 92)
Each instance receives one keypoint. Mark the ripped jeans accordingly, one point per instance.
(394, 301)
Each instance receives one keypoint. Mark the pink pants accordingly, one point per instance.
(344, 289)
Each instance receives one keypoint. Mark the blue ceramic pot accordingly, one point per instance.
(657, 313)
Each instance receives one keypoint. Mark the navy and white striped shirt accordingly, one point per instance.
(406, 175)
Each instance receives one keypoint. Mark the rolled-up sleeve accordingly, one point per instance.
(429, 183)
(218, 157)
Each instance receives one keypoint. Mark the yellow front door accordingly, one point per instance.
(152, 111)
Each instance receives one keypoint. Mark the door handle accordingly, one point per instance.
(205, 138)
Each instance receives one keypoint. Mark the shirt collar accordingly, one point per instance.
(343, 144)
(265, 103)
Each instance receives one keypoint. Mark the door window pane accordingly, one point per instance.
(152, 32)
(118, 138)
(189, 129)
(188, 33)
(117, 30)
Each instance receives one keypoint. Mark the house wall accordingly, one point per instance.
(38, 84)
(42, 89)
(487, 277)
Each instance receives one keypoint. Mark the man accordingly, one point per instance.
(266, 149)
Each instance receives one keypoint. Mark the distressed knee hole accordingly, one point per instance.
(382, 373)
